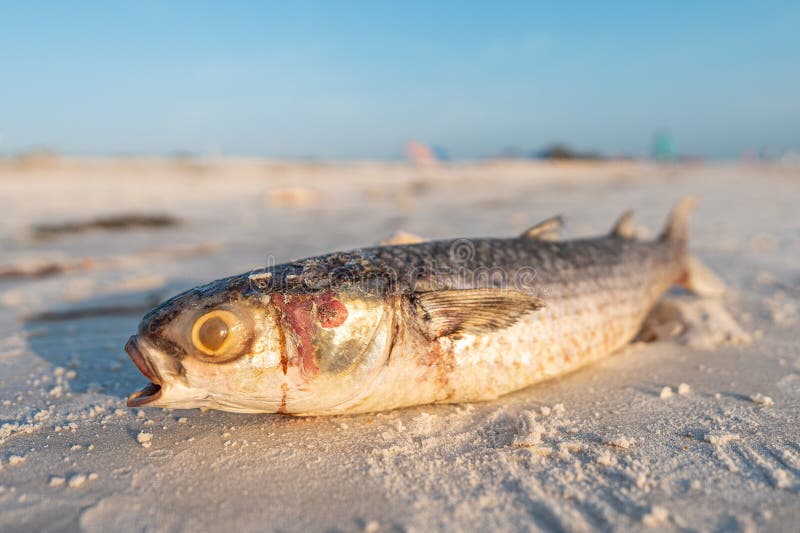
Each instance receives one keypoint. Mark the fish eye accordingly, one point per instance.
(214, 332)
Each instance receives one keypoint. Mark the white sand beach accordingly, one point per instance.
(697, 431)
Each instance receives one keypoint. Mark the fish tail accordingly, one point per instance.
(676, 230)
(694, 275)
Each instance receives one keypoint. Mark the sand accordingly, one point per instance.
(697, 429)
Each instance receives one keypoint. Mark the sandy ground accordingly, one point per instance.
(696, 433)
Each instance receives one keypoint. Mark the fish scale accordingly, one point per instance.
(595, 317)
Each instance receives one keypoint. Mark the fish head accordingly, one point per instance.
(226, 346)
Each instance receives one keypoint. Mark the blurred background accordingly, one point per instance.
(359, 79)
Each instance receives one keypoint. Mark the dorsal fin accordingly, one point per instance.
(546, 230)
(623, 227)
(402, 237)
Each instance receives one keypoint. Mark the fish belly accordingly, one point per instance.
(559, 338)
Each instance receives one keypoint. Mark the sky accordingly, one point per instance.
(345, 79)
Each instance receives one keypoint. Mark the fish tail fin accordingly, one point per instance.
(695, 276)
(699, 279)
(676, 229)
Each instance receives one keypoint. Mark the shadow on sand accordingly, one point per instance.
(88, 337)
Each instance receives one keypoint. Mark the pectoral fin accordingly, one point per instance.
(447, 312)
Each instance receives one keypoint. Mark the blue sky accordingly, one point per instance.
(357, 79)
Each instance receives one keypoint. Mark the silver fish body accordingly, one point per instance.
(398, 325)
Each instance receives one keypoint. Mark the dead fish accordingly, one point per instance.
(421, 322)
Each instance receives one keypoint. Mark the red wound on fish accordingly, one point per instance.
(297, 312)
(304, 315)
(331, 313)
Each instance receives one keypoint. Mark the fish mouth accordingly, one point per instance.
(152, 391)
